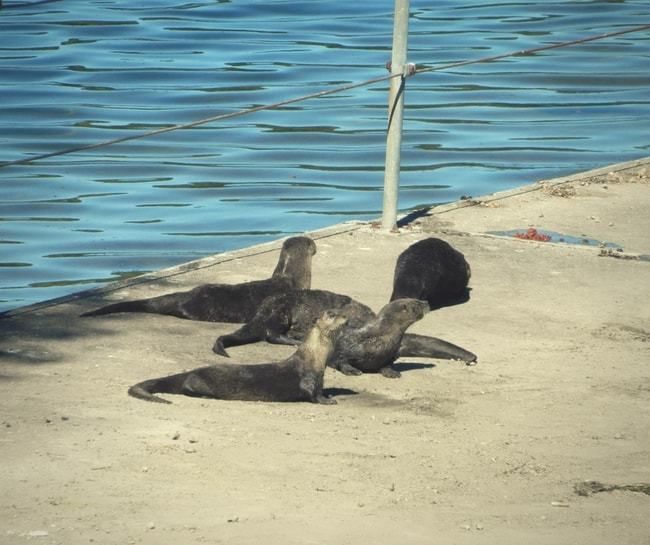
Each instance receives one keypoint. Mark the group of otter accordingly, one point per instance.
(330, 329)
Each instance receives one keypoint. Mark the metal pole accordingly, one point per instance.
(395, 115)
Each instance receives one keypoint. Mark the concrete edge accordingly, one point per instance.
(539, 185)
(600, 251)
(275, 245)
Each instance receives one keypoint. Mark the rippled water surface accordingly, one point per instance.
(74, 73)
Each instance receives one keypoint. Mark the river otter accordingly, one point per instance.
(229, 302)
(298, 378)
(432, 270)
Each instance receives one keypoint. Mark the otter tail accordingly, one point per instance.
(139, 305)
(145, 390)
(431, 347)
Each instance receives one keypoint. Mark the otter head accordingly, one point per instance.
(404, 311)
(331, 321)
(321, 338)
(295, 261)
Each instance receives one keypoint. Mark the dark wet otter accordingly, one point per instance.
(432, 270)
(284, 319)
(229, 302)
(298, 378)
(375, 346)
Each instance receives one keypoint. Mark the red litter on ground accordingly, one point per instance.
(532, 234)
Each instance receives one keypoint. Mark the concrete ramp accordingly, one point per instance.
(495, 453)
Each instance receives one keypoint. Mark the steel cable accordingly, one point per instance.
(373, 81)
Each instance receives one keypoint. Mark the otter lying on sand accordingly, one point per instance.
(368, 343)
(229, 302)
(298, 378)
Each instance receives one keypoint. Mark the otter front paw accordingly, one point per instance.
(389, 372)
(325, 400)
(347, 369)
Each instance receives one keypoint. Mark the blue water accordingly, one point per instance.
(74, 73)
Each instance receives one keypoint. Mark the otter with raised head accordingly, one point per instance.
(284, 319)
(432, 270)
(229, 302)
(298, 378)
(374, 347)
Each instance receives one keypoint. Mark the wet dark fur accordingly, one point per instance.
(432, 270)
(368, 343)
(298, 378)
(374, 346)
(229, 302)
(285, 318)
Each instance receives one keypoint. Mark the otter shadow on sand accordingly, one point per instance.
(338, 392)
(402, 367)
(394, 406)
(412, 366)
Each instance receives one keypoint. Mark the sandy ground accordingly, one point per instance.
(446, 454)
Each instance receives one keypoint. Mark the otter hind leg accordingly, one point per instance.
(195, 385)
(248, 333)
